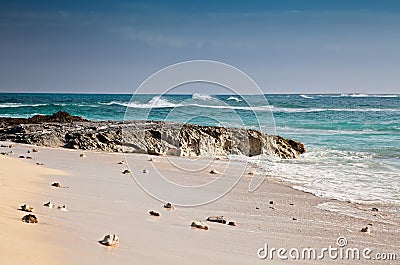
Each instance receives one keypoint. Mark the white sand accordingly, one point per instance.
(101, 200)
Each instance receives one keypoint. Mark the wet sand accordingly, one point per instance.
(101, 200)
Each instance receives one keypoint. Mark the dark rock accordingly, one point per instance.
(30, 218)
(232, 223)
(56, 184)
(168, 205)
(374, 209)
(157, 138)
(154, 213)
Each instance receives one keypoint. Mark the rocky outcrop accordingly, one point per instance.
(157, 138)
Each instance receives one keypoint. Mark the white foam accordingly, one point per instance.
(305, 96)
(18, 105)
(234, 98)
(202, 97)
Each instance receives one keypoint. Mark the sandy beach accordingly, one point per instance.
(101, 200)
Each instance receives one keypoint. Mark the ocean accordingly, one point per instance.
(352, 140)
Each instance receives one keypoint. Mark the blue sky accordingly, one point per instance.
(285, 46)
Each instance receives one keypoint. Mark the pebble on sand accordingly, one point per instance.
(56, 184)
(214, 171)
(169, 205)
(30, 218)
(35, 150)
(121, 162)
(217, 219)
(145, 171)
(62, 208)
(126, 171)
(200, 225)
(272, 202)
(26, 208)
(366, 230)
(374, 209)
(39, 164)
(109, 240)
(232, 223)
(29, 157)
(82, 155)
(154, 213)
(21, 156)
(49, 204)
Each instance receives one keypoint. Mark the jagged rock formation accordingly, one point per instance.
(152, 137)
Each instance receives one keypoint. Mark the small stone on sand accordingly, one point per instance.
(168, 205)
(21, 157)
(109, 240)
(217, 219)
(126, 171)
(82, 155)
(294, 219)
(154, 213)
(29, 157)
(56, 184)
(214, 171)
(145, 171)
(62, 208)
(232, 223)
(200, 225)
(35, 150)
(48, 204)
(39, 164)
(272, 202)
(30, 218)
(121, 162)
(374, 209)
(26, 208)
(366, 230)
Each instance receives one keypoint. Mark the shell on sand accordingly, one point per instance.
(200, 225)
(109, 240)
(30, 218)
(169, 205)
(217, 219)
(26, 208)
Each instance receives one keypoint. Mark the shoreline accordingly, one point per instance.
(99, 190)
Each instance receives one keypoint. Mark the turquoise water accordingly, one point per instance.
(353, 140)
